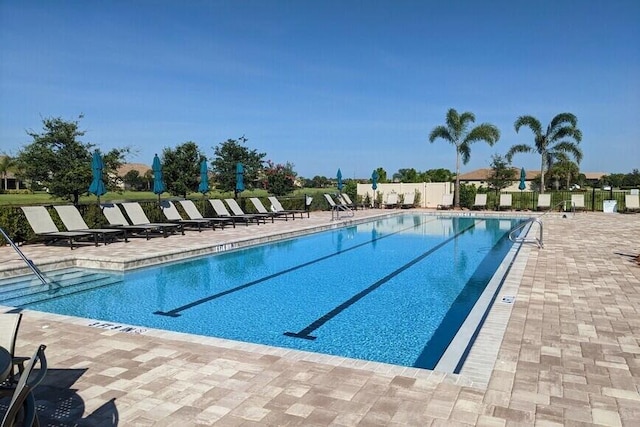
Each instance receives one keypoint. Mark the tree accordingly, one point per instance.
(227, 155)
(457, 132)
(181, 168)
(320, 181)
(406, 175)
(6, 164)
(562, 136)
(58, 161)
(565, 169)
(502, 174)
(133, 180)
(437, 175)
(279, 179)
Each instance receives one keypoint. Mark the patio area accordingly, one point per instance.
(565, 352)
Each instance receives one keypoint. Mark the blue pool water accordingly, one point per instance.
(393, 290)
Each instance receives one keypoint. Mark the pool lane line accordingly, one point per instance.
(176, 311)
(305, 332)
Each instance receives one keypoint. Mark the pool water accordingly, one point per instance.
(393, 290)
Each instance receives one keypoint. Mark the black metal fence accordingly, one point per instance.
(528, 200)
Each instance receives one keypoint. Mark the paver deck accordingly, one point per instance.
(565, 352)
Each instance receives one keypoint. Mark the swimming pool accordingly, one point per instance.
(393, 290)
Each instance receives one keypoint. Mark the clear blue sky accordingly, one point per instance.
(323, 84)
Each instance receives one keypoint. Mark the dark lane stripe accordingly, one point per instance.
(176, 311)
(304, 333)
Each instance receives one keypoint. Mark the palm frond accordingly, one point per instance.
(570, 148)
(563, 118)
(519, 148)
(530, 122)
(465, 152)
(484, 132)
(441, 132)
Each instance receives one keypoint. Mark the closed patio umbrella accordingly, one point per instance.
(339, 176)
(239, 178)
(374, 186)
(523, 178)
(158, 183)
(97, 185)
(203, 187)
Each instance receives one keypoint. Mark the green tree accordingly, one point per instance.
(133, 180)
(279, 179)
(58, 161)
(437, 175)
(562, 136)
(227, 155)
(407, 175)
(502, 174)
(564, 169)
(457, 132)
(6, 164)
(181, 168)
(320, 181)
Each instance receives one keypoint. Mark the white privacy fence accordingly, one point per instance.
(430, 192)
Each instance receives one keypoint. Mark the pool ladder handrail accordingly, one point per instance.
(29, 263)
(536, 240)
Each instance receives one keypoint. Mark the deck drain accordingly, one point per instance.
(508, 299)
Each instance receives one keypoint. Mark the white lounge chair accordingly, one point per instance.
(171, 213)
(337, 208)
(73, 221)
(44, 227)
(544, 201)
(631, 203)
(577, 202)
(408, 201)
(193, 213)
(392, 201)
(276, 206)
(480, 201)
(116, 219)
(447, 201)
(505, 201)
(257, 203)
(138, 217)
(236, 210)
(222, 211)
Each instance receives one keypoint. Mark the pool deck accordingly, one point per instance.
(565, 352)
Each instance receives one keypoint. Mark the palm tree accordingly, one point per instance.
(555, 141)
(563, 168)
(457, 133)
(6, 164)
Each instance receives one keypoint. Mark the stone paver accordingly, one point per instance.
(566, 352)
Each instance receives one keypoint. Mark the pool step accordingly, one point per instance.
(24, 290)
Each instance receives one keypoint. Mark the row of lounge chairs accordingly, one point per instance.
(393, 201)
(136, 221)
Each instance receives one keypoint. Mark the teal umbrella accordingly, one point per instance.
(239, 178)
(97, 185)
(374, 185)
(339, 175)
(203, 187)
(523, 178)
(158, 184)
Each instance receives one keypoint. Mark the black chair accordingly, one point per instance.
(22, 407)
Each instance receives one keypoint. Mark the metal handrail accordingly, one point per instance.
(29, 263)
(536, 240)
(563, 204)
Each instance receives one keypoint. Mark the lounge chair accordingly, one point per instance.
(447, 201)
(631, 203)
(276, 206)
(544, 201)
(138, 217)
(408, 201)
(505, 201)
(236, 210)
(42, 224)
(392, 201)
(9, 325)
(337, 208)
(193, 213)
(116, 219)
(72, 219)
(222, 211)
(171, 213)
(257, 203)
(480, 201)
(22, 407)
(577, 202)
(342, 198)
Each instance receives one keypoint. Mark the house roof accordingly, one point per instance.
(127, 167)
(484, 173)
